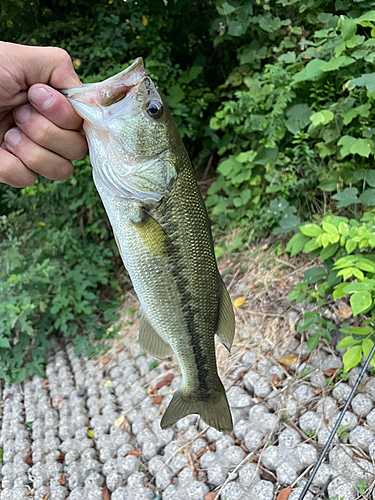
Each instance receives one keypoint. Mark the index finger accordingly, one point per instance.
(54, 106)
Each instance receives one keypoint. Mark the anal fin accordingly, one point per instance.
(226, 323)
(150, 341)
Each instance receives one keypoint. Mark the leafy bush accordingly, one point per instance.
(345, 249)
(300, 125)
(56, 271)
(274, 100)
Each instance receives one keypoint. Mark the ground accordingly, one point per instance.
(90, 430)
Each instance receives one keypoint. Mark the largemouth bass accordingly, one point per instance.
(145, 179)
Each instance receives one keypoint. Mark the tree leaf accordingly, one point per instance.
(236, 28)
(321, 117)
(239, 301)
(4, 343)
(329, 251)
(119, 421)
(362, 147)
(346, 342)
(296, 244)
(367, 80)
(368, 197)
(309, 72)
(288, 359)
(360, 302)
(346, 141)
(350, 246)
(346, 197)
(313, 341)
(352, 357)
(367, 346)
(284, 494)
(311, 230)
(315, 274)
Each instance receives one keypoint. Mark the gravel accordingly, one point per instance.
(89, 427)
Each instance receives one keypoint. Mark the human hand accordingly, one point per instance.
(39, 130)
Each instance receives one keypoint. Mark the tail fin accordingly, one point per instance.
(215, 411)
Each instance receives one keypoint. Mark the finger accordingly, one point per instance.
(14, 172)
(67, 143)
(6, 122)
(36, 158)
(50, 65)
(54, 106)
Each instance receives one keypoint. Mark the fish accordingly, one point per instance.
(145, 179)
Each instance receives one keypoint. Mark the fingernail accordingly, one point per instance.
(12, 137)
(40, 97)
(22, 114)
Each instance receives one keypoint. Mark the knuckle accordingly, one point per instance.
(14, 173)
(44, 131)
(81, 149)
(64, 171)
(35, 158)
(61, 54)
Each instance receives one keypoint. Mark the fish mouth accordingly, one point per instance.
(109, 91)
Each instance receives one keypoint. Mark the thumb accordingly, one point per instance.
(50, 65)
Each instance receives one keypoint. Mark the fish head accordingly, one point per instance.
(133, 140)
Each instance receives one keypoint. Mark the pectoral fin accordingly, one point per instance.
(150, 341)
(152, 234)
(226, 322)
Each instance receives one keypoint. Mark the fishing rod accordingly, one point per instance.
(334, 430)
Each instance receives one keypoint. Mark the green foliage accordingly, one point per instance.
(56, 272)
(274, 101)
(296, 130)
(362, 486)
(344, 273)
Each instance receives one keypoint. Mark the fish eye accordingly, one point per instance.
(154, 109)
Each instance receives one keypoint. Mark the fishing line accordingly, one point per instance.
(332, 435)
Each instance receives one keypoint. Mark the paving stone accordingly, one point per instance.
(196, 491)
(310, 421)
(249, 475)
(238, 398)
(253, 438)
(342, 489)
(173, 493)
(233, 491)
(164, 478)
(370, 387)
(263, 490)
(289, 438)
(249, 358)
(291, 407)
(342, 392)
(362, 405)
(327, 407)
(286, 473)
(216, 474)
(233, 456)
(325, 471)
(361, 437)
(297, 492)
(304, 394)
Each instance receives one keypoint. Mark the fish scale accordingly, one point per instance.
(147, 184)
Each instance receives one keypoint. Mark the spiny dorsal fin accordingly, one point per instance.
(150, 341)
(226, 322)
